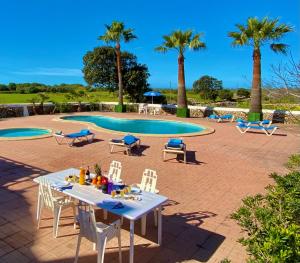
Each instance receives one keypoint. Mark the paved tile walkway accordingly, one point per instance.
(222, 168)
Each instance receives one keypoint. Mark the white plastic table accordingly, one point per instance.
(132, 209)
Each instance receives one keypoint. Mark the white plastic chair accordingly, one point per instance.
(96, 232)
(114, 173)
(148, 184)
(155, 111)
(143, 108)
(55, 203)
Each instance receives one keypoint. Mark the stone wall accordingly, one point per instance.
(18, 110)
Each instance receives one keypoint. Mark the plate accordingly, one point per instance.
(135, 190)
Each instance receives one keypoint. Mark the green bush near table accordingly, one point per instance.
(183, 112)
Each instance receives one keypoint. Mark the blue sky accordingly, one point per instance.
(44, 41)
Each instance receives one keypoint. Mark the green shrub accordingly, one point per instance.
(225, 94)
(241, 92)
(120, 108)
(272, 221)
(294, 162)
(183, 112)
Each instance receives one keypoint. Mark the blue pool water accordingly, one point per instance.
(22, 132)
(138, 125)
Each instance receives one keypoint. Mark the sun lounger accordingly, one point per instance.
(221, 118)
(72, 137)
(175, 146)
(243, 128)
(128, 142)
(265, 123)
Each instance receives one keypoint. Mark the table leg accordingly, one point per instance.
(131, 251)
(159, 225)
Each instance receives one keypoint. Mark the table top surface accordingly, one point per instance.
(132, 209)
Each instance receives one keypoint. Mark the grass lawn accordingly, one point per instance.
(57, 97)
(93, 96)
(104, 96)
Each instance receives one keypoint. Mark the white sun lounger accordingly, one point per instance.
(243, 128)
(72, 137)
(128, 142)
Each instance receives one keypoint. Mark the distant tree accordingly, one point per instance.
(116, 33)
(12, 86)
(100, 71)
(256, 33)
(3, 87)
(181, 41)
(42, 98)
(100, 68)
(77, 95)
(208, 87)
(33, 101)
(241, 92)
(225, 94)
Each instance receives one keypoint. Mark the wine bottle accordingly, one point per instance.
(88, 174)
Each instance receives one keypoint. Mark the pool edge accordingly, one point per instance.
(208, 130)
(27, 138)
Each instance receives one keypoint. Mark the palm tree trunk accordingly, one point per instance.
(118, 54)
(255, 105)
(181, 96)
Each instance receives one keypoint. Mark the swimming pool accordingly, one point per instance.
(142, 126)
(23, 133)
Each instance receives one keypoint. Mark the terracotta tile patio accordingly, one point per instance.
(222, 168)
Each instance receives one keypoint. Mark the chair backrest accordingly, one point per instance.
(114, 173)
(89, 229)
(148, 182)
(87, 222)
(112, 230)
(46, 192)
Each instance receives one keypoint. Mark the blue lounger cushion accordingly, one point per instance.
(213, 116)
(243, 125)
(265, 122)
(175, 143)
(85, 132)
(226, 116)
(130, 139)
(82, 133)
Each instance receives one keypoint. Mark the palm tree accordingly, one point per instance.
(180, 41)
(116, 33)
(256, 33)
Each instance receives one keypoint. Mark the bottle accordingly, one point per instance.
(88, 174)
(82, 176)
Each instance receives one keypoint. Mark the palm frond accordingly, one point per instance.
(116, 32)
(162, 49)
(279, 48)
(258, 31)
(196, 43)
(180, 41)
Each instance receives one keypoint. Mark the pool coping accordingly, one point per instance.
(29, 137)
(206, 131)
